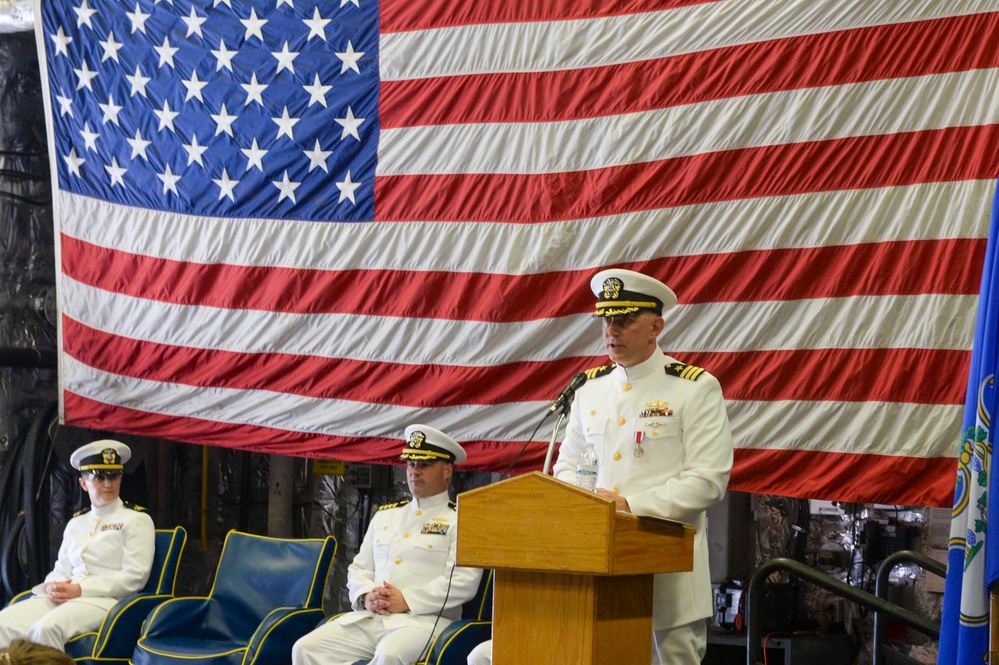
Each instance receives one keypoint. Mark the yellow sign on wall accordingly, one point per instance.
(327, 467)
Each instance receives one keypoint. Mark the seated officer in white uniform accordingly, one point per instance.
(105, 555)
(403, 584)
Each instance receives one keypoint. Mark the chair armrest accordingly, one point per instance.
(177, 616)
(24, 595)
(326, 620)
(457, 640)
(278, 632)
(123, 625)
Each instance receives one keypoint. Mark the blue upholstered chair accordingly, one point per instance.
(267, 593)
(115, 640)
(457, 640)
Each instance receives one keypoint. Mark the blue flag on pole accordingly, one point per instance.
(973, 556)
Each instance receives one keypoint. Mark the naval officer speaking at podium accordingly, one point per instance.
(661, 434)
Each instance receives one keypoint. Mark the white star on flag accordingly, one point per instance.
(317, 157)
(287, 187)
(89, 137)
(347, 187)
(317, 92)
(111, 48)
(85, 76)
(317, 25)
(254, 156)
(138, 19)
(254, 26)
(166, 52)
(194, 87)
(65, 106)
(169, 180)
(285, 59)
(138, 82)
(61, 41)
(223, 57)
(139, 145)
(349, 58)
(83, 14)
(223, 121)
(285, 123)
(226, 186)
(349, 124)
(111, 111)
(195, 151)
(116, 172)
(194, 22)
(254, 90)
(166, 116)
(73, 162)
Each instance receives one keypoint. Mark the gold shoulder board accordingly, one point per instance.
(397, 504)
(595, 372)
(684, 371)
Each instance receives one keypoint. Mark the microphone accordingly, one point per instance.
(565, 397)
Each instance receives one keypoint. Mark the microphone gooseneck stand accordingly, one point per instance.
(551, 444)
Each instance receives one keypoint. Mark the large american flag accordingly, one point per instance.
(296, 227)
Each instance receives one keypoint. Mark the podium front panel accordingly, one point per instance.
(568, 619)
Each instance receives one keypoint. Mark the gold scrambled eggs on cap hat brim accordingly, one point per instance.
(429, 443)
(622, 292)
(103, 455)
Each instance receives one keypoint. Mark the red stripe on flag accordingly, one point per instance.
(91, 413)
(911, 481)
(405, 15)
(953, 44)
(903, 375)
(483, 455)
(866, 478)
(948, 266)
(963, 153)
(841, 375)
(318, 377)
(952, 266)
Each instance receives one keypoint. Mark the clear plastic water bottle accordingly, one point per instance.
(586, 469)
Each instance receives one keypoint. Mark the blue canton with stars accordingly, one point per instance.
(230, 108)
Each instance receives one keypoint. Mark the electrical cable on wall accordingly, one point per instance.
(24, 518)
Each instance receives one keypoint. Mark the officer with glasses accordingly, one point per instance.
(105, 555)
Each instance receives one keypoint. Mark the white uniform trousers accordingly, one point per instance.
(338, 644)
(482, 654)
(682, 645)
(40, 620)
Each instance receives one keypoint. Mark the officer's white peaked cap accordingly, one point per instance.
(622, 292)
(429, 443)
(103, 455)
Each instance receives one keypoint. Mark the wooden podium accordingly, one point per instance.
(573, 582)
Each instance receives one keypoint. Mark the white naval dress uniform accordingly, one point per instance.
(108, 551)
(411, 545)
(684, 464)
